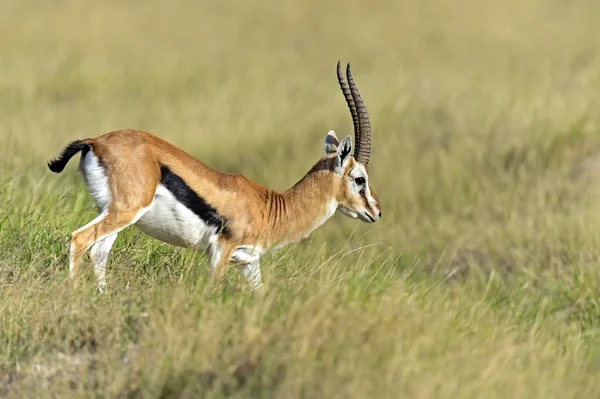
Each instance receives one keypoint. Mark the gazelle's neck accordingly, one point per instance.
(297, 212)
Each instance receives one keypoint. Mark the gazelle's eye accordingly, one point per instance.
(360, 181)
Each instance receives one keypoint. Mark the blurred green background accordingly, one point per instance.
(481, 279)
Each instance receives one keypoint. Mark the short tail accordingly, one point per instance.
(58, 164)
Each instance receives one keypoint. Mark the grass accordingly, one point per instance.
(480, 281)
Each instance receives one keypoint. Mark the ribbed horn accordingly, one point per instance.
(362, 145)
(350, 101)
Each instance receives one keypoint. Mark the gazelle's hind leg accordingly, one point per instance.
(99, 255)
(123, 199)
(104, 227)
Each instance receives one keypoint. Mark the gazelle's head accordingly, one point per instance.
(355, 196)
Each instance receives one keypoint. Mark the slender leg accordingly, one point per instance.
(106, 225)
(220, 254)
(99, 255)
(75, 255)
(251, 272)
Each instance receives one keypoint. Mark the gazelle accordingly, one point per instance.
(138, 179)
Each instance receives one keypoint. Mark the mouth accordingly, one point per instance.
(368, 218)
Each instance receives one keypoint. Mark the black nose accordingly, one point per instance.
(379, 213)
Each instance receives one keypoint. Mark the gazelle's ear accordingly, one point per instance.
(331, 142)
(344, 152)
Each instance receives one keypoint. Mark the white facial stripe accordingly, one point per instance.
(360, 171)
(357, 172)
(370, 199)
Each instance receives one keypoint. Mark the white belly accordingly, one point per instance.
(170, 221)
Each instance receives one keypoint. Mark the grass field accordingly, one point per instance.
(481, 280)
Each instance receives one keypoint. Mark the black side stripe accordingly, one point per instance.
(192, 200)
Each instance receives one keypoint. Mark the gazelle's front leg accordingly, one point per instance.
(251, 272)
(220, 252)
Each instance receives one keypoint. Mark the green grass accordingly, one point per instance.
(480, 281)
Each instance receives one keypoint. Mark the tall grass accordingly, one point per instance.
(481, 280)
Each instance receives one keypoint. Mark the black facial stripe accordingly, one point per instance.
(192, 200)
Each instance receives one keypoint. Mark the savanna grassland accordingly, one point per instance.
(481, 280)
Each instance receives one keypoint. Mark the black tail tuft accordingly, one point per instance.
(58, 164)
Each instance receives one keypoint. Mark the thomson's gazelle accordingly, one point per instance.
(138, 179)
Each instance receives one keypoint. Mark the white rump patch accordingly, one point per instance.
(96, 180)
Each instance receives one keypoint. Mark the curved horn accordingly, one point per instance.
(362, 149)
(350, 101)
